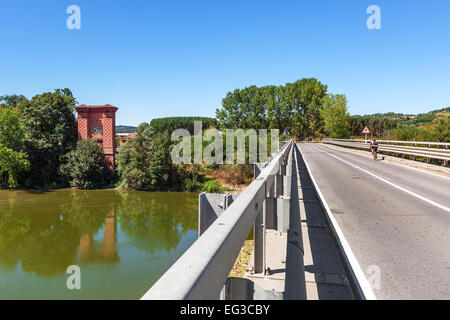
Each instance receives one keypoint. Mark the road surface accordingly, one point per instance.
(396, 219)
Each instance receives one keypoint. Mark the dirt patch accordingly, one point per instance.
(240, 266)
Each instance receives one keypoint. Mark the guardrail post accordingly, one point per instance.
(259, 237)
(279, 183)
(210, 207)
(271, 204)
(257, 169)
(284, 200)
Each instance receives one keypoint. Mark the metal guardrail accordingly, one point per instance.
(386, 147)
(201, 272)
(444, 144)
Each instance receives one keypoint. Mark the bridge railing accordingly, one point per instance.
(439, 151)
(201, 272)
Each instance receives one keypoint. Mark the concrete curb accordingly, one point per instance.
(358, 280)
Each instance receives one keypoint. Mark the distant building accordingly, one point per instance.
(124, 137)
(99, 123)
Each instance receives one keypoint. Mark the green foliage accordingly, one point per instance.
(404, 134)
(12, 163)
(85, 167)
(11, 101)
(168, 125)
(379, 126)
(294, 107)
(441, 129)
(341, 131)
(50, 132)
(11, 132)
(190, 178)
(335, 116)
(144, 163)
(432, 126)
(212, 186)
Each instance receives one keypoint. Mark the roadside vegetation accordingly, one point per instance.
(433, 126)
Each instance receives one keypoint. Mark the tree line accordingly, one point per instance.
(433, 126)
(293, 108)
(305, 111)
(35, 135)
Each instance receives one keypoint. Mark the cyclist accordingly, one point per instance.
(374, 148)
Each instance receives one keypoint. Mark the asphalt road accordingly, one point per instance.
(395, 219)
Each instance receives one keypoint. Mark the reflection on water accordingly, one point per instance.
(122, 241)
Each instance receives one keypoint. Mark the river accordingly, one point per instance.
(121, 241)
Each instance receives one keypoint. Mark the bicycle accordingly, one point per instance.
(375, 154)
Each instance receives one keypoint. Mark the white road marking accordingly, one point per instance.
(397, 164)
(388, 182)
(354, 264)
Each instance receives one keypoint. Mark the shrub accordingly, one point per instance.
(144, 163)
(212, 186)
(236, 174)
(85, 166)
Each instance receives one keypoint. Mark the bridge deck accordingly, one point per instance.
(324, 272)
(395, 219)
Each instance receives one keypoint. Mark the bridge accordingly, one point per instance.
(329, 223)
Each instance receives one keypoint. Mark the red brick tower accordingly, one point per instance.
(99, 123)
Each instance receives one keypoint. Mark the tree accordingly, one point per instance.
(85, 166)
(170, 124)
(50, 132)
(11, 101)
(144, 163)
(11, 131)
(335, 116)
(13, 161)
(277, 114)
(231, 115)
(294, 106)
(312, 92)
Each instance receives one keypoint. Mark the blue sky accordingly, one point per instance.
(179, 58)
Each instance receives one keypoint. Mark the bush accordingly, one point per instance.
(85, 166)
(236, 174)
(144, 163)
(212, 186)
(341, 132)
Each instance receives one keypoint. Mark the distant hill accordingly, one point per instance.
(430, 126)
(125, 129)
(170, 124)
(410, 120)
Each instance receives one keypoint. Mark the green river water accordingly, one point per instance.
(121, 241)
